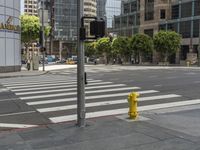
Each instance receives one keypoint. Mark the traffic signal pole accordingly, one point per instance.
(43, 52)
(80, 70)
(199, 46)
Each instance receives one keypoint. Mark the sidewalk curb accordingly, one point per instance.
(23, 75)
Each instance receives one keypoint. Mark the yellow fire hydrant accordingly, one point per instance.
(133, 100)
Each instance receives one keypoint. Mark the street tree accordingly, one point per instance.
(103, 47)
(142, 46)
(167, 43)
(90, 49)
(120, 47)
(30, 28)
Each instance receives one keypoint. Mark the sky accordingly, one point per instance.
(22, 6)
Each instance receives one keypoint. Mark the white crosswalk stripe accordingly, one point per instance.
(64, 85)
(123, 111)
(65, 90)
(44, 85)
(122, 101)
(56, 98)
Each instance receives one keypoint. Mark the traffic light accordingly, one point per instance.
(97, 28)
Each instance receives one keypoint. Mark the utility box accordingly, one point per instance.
(35, 62)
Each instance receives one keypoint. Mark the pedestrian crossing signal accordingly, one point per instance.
(97, 28)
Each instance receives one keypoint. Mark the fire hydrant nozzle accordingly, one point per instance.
(132, 99)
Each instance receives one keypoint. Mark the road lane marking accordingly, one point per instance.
(66, 90)
(158, 85)
(88, 97)
(58, 86)
(48, 84)
(124, 110)
(20, 126)
(74, 93)
(105, 103)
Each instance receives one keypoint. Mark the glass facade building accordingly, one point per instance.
(10, 39)
(113, 8)
(101, 8)
(150, 16)
(65, 20)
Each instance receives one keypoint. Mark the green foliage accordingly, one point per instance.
(30, 27)
(167, 43)
(141, 45)
(47, 30)
(90, 49)
(104, 46)
(120, 45)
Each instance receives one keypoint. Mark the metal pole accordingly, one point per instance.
(80, 70)
(43, 53)
(199, 46)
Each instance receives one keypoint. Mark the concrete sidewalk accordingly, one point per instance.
(159, 131)
(24, 72)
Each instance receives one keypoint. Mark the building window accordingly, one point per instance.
(149, 32)
(149, 10)
(124, 21)
(162, 14)
(172, 27)
(133, 6)
(126, 8)
(117, 22)
(162, 27)
(196, 28)
(131, 20)
(138, 19)
(185, 28)
(175, 12)
(186, 10)
(197, 7)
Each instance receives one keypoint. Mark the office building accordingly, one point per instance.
(10, 41)
(150, 16)
(101, 9)
(113, 8)
(62, 17)
(30, 7)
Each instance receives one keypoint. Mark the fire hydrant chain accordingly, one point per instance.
(133, 100)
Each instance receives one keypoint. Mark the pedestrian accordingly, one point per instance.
(132, 61)
(28, 64)
(114, 61)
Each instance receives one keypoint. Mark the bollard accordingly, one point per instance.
(188, 63)
(132, 99)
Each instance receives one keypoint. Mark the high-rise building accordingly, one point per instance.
(90, 10)
(63, 20)
(30, 7)
(101, 8)
(113, 8)
(150, 16)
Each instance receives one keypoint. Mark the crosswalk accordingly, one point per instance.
(55, 97)
(95, 69)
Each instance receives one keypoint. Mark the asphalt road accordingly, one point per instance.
(51, 98)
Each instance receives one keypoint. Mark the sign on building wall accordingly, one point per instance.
(9, 25)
